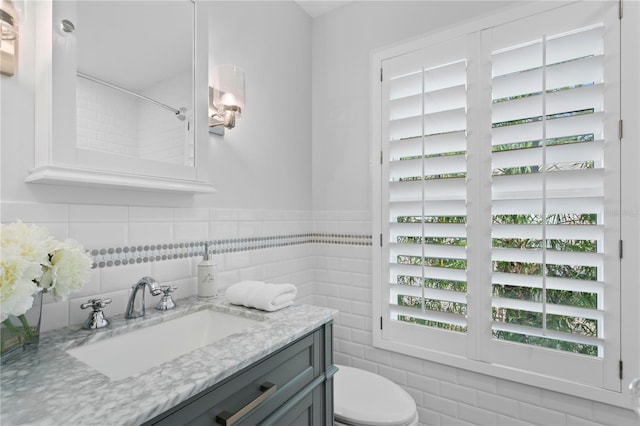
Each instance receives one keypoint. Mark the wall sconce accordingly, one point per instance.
(8, 37)
(226, 97)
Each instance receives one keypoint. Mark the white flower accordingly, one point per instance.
(70, 266)
(33, 243)
(31, 260)
(16, 282)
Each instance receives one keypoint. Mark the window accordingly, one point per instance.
(500, 193)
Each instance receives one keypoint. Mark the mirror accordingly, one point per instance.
(134, 92)
(122, 94)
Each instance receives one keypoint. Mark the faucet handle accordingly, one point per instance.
(166, 301)
(96, 304)
(168, 289)
(96, 318)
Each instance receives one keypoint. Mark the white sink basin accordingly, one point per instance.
(138, 350)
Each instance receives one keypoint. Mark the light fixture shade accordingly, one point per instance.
(8, 20)
(228, 88)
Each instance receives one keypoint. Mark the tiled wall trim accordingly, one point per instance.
(107, 257)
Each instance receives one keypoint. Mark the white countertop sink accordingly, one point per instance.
(138, 350)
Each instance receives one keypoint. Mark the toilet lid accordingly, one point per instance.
(368, 399)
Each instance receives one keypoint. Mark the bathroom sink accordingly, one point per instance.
(132, 352)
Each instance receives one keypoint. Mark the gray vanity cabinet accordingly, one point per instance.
(292, 386)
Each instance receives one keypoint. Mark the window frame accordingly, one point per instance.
(629, 329)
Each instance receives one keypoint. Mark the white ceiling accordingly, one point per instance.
(316, 8)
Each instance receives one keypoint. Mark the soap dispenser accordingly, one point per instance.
(207, 276)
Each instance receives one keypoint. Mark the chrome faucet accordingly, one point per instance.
(154, 289)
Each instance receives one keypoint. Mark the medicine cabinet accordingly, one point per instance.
(121, 94)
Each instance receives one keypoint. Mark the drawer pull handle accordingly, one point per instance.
(228, 419)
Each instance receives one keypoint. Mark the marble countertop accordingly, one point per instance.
(50, 387)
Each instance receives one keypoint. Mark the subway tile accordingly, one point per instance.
(476, 416)
(98, 213)
(439, 371)
(406, 362)
(240, 260)
(510, 421)
(340, 359)
(539, 415)
(34, 212)
(142, 233)
(364, 365)
(444, 406)
(352, 349)
(191, 214)
(450, 421)
(339, 304)
(226, 278)
(249, 229)
(354, 293)
(578, 421)
(396, 375)
(379, 356)
(352, 321)
(519, 391)
(361, 308)
(54, 315)
(498, 404)
(344, 333)
(190, 231)
(422, 383)
(222, 230)
(458, 393)
(477, 381)
(428, 417)
(249, 215)
(186, 287)
(223, 215)
(99, 235)
(609, 415)
(253, 273)
(273, 215)
(568, 404)
(171, 270)
(151, 214)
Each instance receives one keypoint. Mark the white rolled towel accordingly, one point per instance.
(261, 295)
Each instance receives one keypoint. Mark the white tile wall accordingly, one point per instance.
(334, 275)
(104, 227)
(107, 120)
(115, 122)
(444, 395)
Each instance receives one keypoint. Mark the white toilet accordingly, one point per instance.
(361, 398)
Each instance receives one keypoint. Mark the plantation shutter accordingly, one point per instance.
(500, 193)
(426, 116)
(550, 199)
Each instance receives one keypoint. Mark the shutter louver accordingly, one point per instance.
(427, 191)
(547, 192)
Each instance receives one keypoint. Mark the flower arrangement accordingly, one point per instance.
(32, 261)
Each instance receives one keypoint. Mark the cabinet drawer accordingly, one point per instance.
(289, 369)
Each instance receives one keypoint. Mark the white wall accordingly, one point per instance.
(266, 160)
(341, 44)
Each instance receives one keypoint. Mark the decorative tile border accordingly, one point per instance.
(108, 257)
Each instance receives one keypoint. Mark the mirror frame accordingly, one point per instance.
(57, 160)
